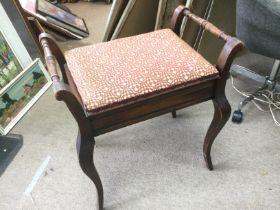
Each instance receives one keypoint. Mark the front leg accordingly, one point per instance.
(85, 149)
(221, 116)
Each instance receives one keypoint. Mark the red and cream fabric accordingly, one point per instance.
(120, 71)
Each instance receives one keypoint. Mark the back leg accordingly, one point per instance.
(174, 114)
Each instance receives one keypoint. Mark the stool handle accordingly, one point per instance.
(206, 25)
(230, 49)
(179, 14)
(50, 60)
(51, 53)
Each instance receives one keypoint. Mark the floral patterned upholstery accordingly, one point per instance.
(124, 70)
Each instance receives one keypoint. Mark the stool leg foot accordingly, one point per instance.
(221, 116)
(85, 149)
(174, 114)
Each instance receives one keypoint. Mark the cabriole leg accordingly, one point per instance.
(85, 150)
(221, 116)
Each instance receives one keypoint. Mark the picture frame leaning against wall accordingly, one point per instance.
(23, 77)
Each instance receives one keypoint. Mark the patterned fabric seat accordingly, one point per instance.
(121, 71)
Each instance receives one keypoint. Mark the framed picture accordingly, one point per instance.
(48, 9)
(10, 67)
(12, 37)
(15, 21)
(14, 57)
(19, 97)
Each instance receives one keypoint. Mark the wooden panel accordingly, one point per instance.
(155, 106)
(170, 7)
(116, 11)
(139, 17)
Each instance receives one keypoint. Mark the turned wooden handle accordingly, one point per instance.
(207, 26)
(230, 49)
(50, 60)
(53, 56)
(179, 14)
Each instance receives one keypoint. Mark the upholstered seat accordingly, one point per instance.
(122, 71)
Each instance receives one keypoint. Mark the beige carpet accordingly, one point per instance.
(154, 165)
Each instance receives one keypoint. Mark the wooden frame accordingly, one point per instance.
(94, 124)
(65, 18)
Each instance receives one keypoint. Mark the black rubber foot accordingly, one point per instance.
(237, 116)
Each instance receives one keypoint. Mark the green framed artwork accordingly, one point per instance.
(10, 68)
(19, 97)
